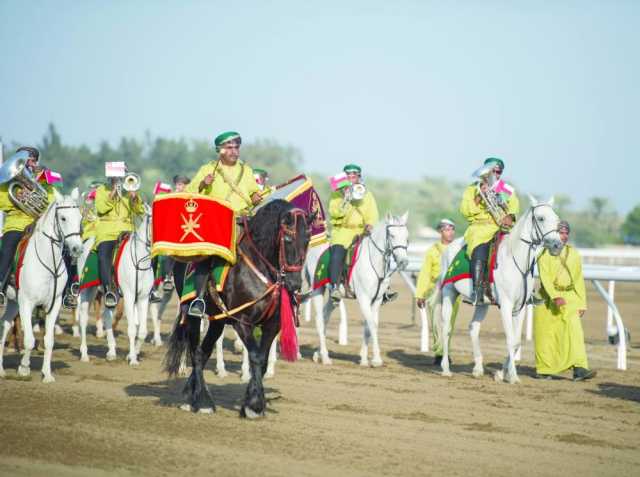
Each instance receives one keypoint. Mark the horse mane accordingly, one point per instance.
(265, 225)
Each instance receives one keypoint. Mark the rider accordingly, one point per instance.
(483, 226)
(229, 179)
(428, 277)
(15, 221)
(349, 218)
(115, 210)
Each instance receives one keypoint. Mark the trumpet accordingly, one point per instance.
(129, 183)
(354, 192)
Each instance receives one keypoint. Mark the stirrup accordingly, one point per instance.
(75, 289)
(167, 285)
(389, 296)
(154, 296)
(335, 293)
(535, 300)
(3, 298)
(196, 308)
(69, 301)
(110, 299)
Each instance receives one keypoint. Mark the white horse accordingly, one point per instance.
(512, 288)
(370, 279)
(135, 276)
(42, 278)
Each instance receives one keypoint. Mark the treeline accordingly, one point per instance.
(427, 200)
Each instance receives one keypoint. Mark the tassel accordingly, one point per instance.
(288, 337)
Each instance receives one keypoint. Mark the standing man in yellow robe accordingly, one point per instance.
(349, 218)
(483, 226)
(427, 280)
(15, 220)
(559, 339)
(115, 209)
(229, 179)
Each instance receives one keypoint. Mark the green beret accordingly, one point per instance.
(260, 172)
(226, 137)
(352, 168)
(495, 161)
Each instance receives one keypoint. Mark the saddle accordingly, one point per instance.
(89, 276)
(321, 274)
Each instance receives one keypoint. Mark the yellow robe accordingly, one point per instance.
(348, 219)
(114, 215)
(89, 224)
(425, 286)
(559, 339)
(14, 218)
(482, 227)
(239, 174)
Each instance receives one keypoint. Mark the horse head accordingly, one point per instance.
(397, 238)
(544, 228)
(295, 230)
(143, 225)
(67, 221)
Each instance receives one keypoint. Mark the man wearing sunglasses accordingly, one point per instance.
(482, 225)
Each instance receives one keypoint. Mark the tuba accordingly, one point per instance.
(24, 191)
(492, 201)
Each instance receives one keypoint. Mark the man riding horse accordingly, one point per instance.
(483, 224)
(115, 209)
(229, 179)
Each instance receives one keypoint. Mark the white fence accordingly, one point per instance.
(615, 329)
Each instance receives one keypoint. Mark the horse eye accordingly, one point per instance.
(64, 219)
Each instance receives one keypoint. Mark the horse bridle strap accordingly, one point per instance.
(61, 237)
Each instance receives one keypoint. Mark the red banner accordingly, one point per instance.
(187, 225)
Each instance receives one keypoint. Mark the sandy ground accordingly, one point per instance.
(103, 418)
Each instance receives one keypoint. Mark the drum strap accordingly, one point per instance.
(234, 185)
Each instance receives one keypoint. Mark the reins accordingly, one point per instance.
(387, 252)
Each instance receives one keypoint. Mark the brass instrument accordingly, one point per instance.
(24, 191)
(492, 201)
(354, 192)
(131, 182)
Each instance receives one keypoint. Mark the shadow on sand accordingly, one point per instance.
(617, 391)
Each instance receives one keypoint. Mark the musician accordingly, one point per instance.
(483, 226)
(427, 279)
(229, 179)
(557, 325)
(115, 209)
(349, 218)
(16, 220)
(88, 211)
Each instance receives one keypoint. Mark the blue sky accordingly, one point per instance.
(404, 88)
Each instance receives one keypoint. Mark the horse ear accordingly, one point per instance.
(57, 195)
(388, 218)
(75, 194)
(405, 218)
(550, 201)
(533, 201)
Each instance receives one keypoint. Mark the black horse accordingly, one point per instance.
(271, 251)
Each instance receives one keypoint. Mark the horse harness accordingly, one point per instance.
(387, 252)
(272, 288)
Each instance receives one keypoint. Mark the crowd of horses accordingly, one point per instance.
(273, 274)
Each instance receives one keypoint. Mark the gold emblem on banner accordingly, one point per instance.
(190, 225)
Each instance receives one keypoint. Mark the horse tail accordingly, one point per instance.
(177, 346)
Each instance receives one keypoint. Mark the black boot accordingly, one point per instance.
(477, 272)
(197, 306)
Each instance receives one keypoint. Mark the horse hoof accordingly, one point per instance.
(48, 379)
(514, 380)
(498, 376)
(3, 374)
(250, 413)
(36, 328)
(57, 330)
(185, 407)
(111, 356)
(205, 410)
(84, 358)
(182, 373)
(446, 374)
(477, 373)
(222, 373)
(99, 334)
(22, 371)
(364, 363)
(157, 342)
(327, 361)
(134, 363)
(269, 374)
(376, 363)
(316, 357)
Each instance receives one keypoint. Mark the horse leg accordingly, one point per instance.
(343, 328)
(195, 389)
(26, 312)
(237, 343)
(370, 332)
(307, 311)
(271, 361)
(107, 320)
(446, 309)
(142, 312)
(133, 324)
(154, 311)
(214, 332)
(50, 322)
(220, 368)
(86, 297)
(97, 303)
(509, 372)
(10, 313)
(254, 402)
(479, 315)
(323, 314)
(376, 359)
(518, 322)
(245, 375)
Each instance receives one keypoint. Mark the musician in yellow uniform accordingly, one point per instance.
(349, 218)
(115, 209)
(229, 179)
(482, 225)
(427, 280)
(559, 339)
(15, 221)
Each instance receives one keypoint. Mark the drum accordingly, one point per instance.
(299, 191)
(190, 227)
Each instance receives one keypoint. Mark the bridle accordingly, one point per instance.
(291, 233)
(133, 251)
(388, 251)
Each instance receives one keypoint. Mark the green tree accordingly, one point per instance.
(631, 226)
